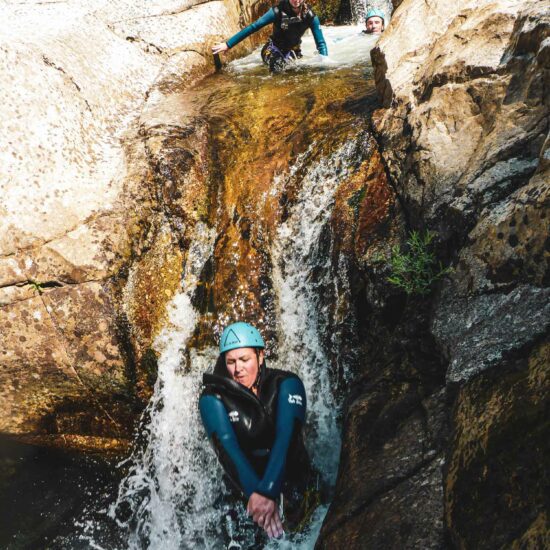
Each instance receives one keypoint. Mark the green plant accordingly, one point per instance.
(415, 268)
(37, 287)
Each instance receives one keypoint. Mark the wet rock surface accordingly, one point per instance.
(444, 425)
(463, 138)
(86, 267)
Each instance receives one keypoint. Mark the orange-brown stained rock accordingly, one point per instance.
(259, 130)
(93, 234)
(153, 283)
(377, 209)
(364, 212)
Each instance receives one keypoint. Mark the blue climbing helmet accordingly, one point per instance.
(375, 12)
(240, 335)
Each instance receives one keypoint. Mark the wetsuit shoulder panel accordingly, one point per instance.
(218, 427)
(291, 412)
(265, 19)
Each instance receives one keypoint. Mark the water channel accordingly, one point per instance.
(280, 148)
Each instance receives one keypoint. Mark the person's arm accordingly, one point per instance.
(291, 413)
(318, 36)
(221, 433)
(264, 20)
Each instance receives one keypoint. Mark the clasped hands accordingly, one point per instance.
(265, 513)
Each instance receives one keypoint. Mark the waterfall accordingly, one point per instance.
(172, 495)
(166, 501)
(301, 313)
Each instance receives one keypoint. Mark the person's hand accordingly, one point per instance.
(275, 528)
(265, 513)
(326, 59)
(219, 48)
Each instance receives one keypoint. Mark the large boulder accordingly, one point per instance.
(464, 137)
(79, 210)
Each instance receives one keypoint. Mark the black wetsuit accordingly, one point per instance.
(288, 29)
(258, 440)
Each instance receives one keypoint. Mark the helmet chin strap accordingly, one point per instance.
(256, 383)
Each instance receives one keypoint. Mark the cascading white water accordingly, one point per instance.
(166, 501)
(173, 496)
(299, 311)
(295, 258)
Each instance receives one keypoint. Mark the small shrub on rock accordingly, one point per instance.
(414, 267)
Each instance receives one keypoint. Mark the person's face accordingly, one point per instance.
(296, 4)
(243, 365)
(375, 25)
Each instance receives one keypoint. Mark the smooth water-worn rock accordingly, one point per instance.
(111, 175)
(79, 206)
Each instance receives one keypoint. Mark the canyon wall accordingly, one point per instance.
(445, 427)
(87, 257)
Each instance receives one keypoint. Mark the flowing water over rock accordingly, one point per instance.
(281, 147)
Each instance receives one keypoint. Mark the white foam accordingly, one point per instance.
(347, 46)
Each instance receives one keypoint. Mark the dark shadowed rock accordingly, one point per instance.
(390, 466)
(464, 138)
(496, 483)
(408, 516)
(480, 332)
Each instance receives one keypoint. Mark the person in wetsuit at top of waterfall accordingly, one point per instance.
(290, 19)
(254, 417)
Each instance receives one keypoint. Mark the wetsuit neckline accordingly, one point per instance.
(231, 385)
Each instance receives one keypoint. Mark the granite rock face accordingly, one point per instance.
(478, 333)
(464, 138)
(496, 474)
(79, 211)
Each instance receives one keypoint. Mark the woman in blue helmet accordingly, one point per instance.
(254, 417)
(290, 19)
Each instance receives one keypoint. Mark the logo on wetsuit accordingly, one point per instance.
(234, 416)
(295, 399)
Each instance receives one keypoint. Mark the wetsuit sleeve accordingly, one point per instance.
(318, 36)
(291, 408)
(219, 430)
(264, 20)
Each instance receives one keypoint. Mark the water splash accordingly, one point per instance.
(347, 46)
(301, 269)
(172, 496)
(165, 501)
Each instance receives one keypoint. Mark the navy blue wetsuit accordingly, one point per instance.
(258, 439)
